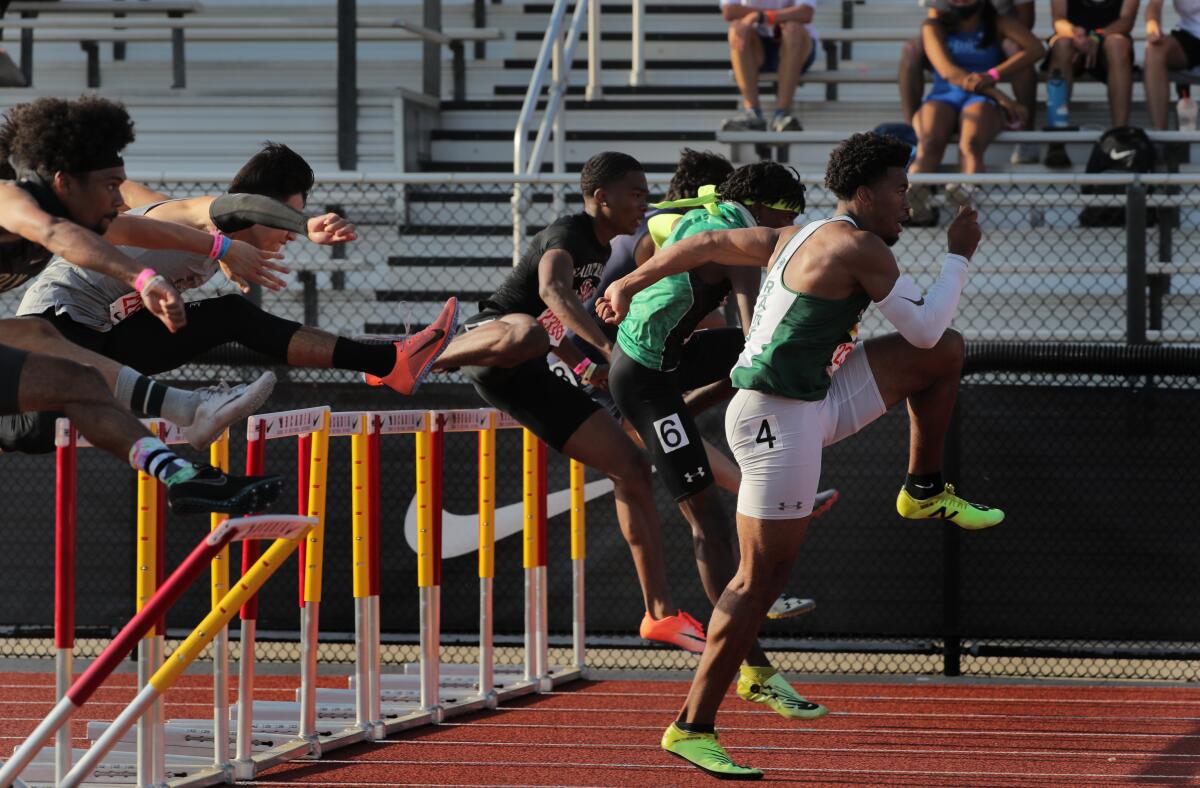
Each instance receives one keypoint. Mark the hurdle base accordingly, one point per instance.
(116, 768)
(292, 751)
(214, 775)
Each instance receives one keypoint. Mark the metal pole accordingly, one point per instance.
(637, 66)
(952, 556)
(560, 153)
(431, 52)
(487, 548)
(347, 84)
(1135, 263)
(578, 555)
(595, 90)
(219, 458)
(64, 567)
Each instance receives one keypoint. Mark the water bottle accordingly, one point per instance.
(1056, 100)
(1186, 109)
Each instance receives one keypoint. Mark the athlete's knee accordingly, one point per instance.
(521, 341)
(32, 329)
(951, 346)
(59, 382)
(630, 468)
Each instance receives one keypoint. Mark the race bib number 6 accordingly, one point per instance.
(671, 436)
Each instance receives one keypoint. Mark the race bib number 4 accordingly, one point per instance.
(124, 306)
(766, 434)
(554, 327)
(669, 430)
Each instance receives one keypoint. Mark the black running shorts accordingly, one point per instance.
(12, 361)
(652, 401)
(544, 403)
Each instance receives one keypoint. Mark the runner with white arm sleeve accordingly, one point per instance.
(805, 382)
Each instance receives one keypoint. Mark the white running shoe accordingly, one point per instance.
(222, 406)
(790, 607)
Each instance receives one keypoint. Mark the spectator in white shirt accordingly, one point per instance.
(769, 35)
(1178, 51)
(914, 63)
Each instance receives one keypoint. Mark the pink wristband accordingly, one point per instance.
(145, 276)
(582, 366)
(994, 74)
(215, 252)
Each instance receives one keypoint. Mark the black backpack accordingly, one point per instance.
(1124, 149)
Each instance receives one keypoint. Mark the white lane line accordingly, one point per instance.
(871, 731)
(817, 691)
(784, 748)
(867, 714)
(794, 769)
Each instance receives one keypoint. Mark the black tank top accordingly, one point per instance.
(22, 259)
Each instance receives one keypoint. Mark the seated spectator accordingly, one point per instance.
(765, 36)
(965, 47)
(1178, 51)
(914, 64)
(1093, 37)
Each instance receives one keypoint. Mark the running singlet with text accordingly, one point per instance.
(100, 302)
(665, 314)
(576, 235)
(797, 341)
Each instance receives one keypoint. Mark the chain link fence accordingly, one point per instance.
(1088, 577)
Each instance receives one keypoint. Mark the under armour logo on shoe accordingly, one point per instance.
(691, 477)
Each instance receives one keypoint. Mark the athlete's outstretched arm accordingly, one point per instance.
(556, 286)
(254, 265)
(136, 194)
(20, 214)
(752, 246)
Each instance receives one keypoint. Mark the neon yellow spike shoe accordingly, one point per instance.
(948, 506)
(702, 751)
(766, 686)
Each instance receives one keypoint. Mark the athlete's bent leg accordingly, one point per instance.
(601, 444)
(504, 342)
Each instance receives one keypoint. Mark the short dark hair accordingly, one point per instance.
(52, 135)
(764, 182)
(275, 171)
(604, 168)
(862, 160)
(696, 169)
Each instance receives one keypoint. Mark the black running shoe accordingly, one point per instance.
(210, 490)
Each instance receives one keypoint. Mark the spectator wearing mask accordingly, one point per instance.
(965, 46)
(1093, 37)
(765, 36)
(1178, 51)
(914, 62)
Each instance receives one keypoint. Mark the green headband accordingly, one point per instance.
(707, 198)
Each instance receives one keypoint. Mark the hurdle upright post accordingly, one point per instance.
(64, 582)
(427, 521)
(578, 556)
(148, 535)
(361, 555)
(218, 455)
(534, 499)
(487, 557)
(314, 544)
(256, 441)
(374, 531)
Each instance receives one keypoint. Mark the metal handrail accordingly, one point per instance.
(557, 57)
(637, 61)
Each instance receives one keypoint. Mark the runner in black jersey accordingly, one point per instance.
(67, 158)
(502, 351)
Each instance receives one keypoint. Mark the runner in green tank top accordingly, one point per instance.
(660, 354)
(783, 415)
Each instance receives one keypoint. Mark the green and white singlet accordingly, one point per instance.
(665, 314)
(797, 341)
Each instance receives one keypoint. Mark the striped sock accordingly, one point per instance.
(149, 397)
(152, 456)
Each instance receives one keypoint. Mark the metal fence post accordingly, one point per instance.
(952, 554)
(347, 84)
(431, 52)
(1135, 263)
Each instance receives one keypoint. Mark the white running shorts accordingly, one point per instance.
(777, 441)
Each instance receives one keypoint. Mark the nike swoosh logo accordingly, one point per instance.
(1121, 155)
(437, 337)
(915, 303)
(460, 532)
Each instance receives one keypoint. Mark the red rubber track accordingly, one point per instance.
(606, 734)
